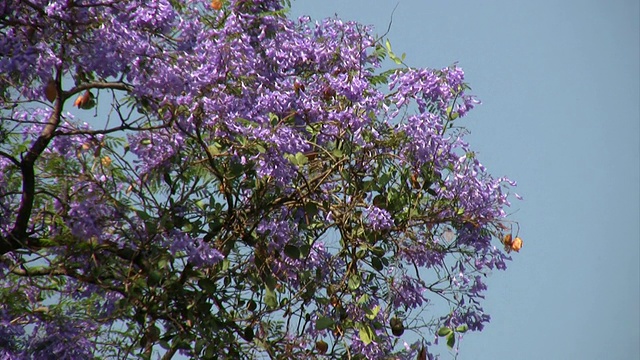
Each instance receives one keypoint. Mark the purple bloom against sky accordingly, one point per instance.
(378, 219)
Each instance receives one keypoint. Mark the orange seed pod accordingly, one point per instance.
(83, 100)
(216, 4)
(516, 245)
(507, 240)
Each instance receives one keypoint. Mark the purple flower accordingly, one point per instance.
(90, 217)
(64, 340)
(198, 252)
(408, 293)
(378, 219)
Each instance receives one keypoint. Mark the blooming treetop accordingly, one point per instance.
(234, 184)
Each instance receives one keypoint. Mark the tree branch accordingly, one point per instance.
(17, 237)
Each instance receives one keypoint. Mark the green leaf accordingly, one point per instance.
(372, 313)
(270, 299)
(366, 334)
(354, 282)
(311, 209)
(207, 285)
(385, 178)
(324, 323)
(213, 149)
(451, 340)
(225, 264)
(154, 278)
(362, 299)
(247, 123)
(462, 328)
(292, 251)
(387, 44)
(143, 215)
(378, 251)
(444, 331)
(270, 282)
(201, 204)
(305, 250)
(301, 159)
(376, 263)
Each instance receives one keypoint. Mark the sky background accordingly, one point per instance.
(559, 82)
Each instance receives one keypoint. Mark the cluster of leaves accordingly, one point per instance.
(249, 186)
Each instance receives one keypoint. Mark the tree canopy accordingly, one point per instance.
(218, 180)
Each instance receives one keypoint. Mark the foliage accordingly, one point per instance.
(232, 184)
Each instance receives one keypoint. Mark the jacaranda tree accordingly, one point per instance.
(216, 180)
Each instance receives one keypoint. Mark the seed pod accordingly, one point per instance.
(507, 240)
(414, 181)
(422, 354)
(397, 328)
(85, 101)
(216, 4)
(51, 90)
(516, 245)
(297, 87)
(248, 333)
(322, 347)
(328, 93)
(105, 161)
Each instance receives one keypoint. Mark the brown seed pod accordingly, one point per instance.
(397, 328)
(322, 347)
(328, 93)
(51, 90)
(297, 87)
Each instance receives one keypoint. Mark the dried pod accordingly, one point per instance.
(216, 4)
(516, 245)
(322, 347)
(507, 240)
(397, 328)
(51, 90)
(85, 101)
(297, 87)
(328, 93)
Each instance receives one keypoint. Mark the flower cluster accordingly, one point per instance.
(379, 219)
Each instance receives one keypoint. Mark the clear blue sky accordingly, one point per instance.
(559, 81)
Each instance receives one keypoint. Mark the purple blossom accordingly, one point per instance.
(198, 252)
(155, 150)
(409, 293)
(90, 217)
(10, 332)
(422, 255)
(64, 340)
(378, 219)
